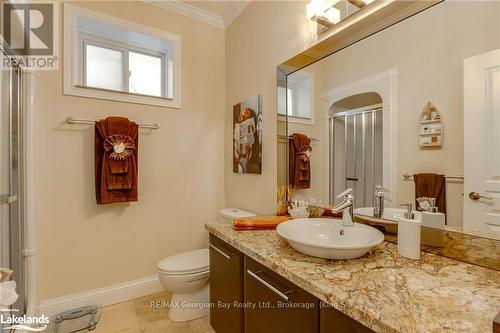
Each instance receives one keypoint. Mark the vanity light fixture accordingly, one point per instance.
(323, 12)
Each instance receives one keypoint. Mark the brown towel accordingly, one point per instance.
(115, 154)
(299, 161)
(431, 185)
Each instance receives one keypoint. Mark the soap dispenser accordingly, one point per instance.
(409, 234)
(433, 223)
(432, 218)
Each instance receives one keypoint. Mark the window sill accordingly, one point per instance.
(121, 96)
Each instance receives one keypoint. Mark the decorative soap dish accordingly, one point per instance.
(299, 210)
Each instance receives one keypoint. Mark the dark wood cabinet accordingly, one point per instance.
(276, 305)
(226, 287)
(334, 321)
(247, 297)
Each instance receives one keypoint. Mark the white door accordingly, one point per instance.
(482, 142)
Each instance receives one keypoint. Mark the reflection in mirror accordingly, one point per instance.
(355, 145)
(415, 109)
(299, 100)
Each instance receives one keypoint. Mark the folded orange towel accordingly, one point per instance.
(252, 228)
(259, 223)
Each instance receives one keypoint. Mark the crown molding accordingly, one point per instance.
(185, 9)
(202, 15)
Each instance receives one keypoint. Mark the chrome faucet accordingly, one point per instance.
(378, 210)
(346, 207)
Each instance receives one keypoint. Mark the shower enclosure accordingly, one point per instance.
(11, 175)
(356, 148)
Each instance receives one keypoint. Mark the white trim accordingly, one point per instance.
(202, 15)
(385, 84)
(185, 9)
(116, 293)
(71, 68)
(30, 157)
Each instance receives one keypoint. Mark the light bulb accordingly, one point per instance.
(333, 15)
(314, 9)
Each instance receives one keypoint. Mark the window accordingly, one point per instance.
(109, 58)
(123, 69)
(299, 96)
(145, 74)
(103, 68)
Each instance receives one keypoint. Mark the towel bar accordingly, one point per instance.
(313, 139)
(409, 176)
(73, 120)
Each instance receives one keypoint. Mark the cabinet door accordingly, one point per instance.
(274, 304)
(226, 287)
(332, 320)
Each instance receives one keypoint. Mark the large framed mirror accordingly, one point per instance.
(401, 111)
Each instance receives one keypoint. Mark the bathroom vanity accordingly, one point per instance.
(258, 283)
(249, 297)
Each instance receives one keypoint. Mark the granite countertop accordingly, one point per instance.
(383, 290)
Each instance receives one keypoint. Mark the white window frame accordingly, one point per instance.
(292, 89)
(74, 59)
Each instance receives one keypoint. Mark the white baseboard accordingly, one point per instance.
(116, 293)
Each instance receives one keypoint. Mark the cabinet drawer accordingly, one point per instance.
(332, 320)
(274, 304)
(226, 287)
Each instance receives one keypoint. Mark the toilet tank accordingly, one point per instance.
(229, 214)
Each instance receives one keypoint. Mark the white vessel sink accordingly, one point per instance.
(389, 219)
(328, 238)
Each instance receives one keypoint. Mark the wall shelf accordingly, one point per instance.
(430, 130)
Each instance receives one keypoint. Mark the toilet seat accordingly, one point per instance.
(186, 263)
(206, 270)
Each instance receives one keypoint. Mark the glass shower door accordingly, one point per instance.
(11, 226)
(356, 154)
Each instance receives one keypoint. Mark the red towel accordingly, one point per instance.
(115, 154)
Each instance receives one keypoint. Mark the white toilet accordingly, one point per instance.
(185, 275)
(229, 214)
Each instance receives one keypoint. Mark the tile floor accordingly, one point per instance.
(141, 316)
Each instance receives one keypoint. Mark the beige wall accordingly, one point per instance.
(83, 246)
(428, 51)
(266, 34)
